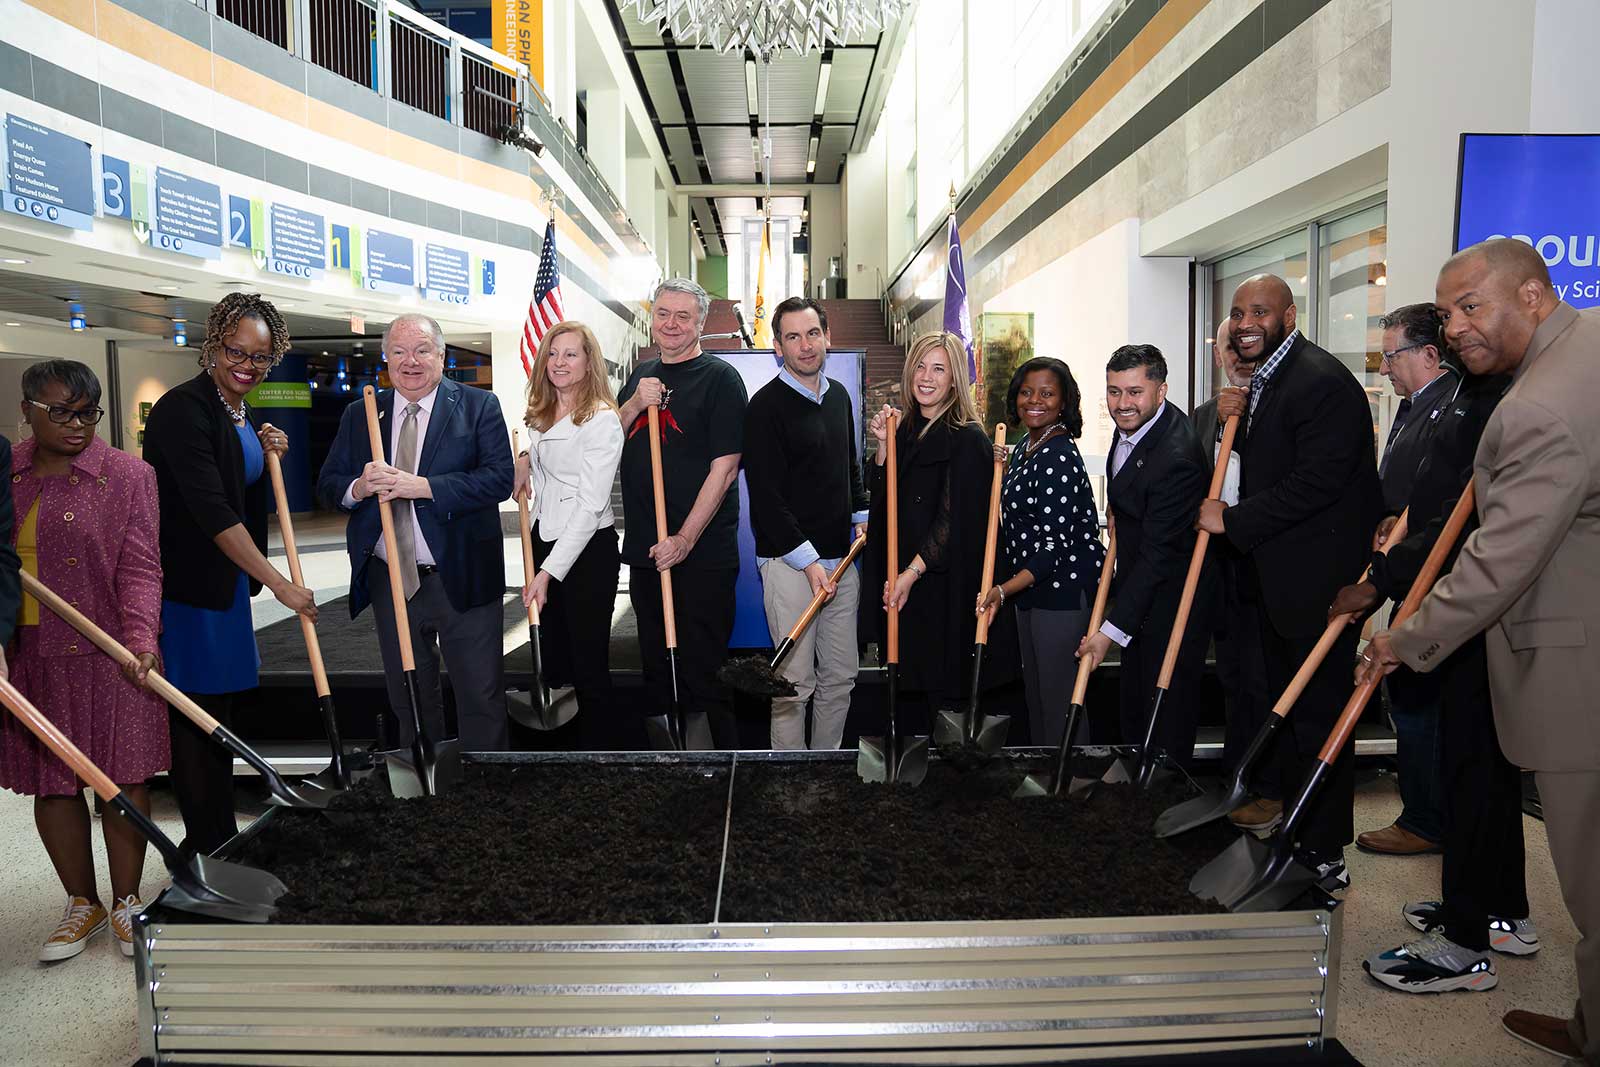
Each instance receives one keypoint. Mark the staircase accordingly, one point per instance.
(859, 324)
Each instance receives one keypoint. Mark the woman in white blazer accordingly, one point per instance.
(574, 446)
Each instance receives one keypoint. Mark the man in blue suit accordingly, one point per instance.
(446, 467)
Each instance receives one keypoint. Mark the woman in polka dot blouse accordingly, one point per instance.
(1051, 533)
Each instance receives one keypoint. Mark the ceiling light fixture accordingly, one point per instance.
(823, 77)
(15, 262)
(13, 324)
(768, 26)
(752, 101)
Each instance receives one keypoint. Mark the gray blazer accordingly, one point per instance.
(1529, 576)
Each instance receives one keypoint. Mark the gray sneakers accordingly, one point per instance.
(1433, 964)
(1514, 937)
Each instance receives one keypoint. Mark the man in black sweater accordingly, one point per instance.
(806, 504)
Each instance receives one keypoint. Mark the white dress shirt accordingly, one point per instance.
(570, 472)
(397, 418)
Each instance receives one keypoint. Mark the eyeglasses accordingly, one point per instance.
(238, 356)
(1388, 357)
(62, 415)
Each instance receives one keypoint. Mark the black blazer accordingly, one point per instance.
(190, 441)
(1407, 451)
(10, 564)
(1309, 499)
(1155, 496)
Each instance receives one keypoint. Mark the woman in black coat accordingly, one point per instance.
(209, 458)
(945, 464)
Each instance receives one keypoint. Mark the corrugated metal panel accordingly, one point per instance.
(729, 155)
(658, 79)
(793, 84)
(789, 145)
(846, 85)
(716, 85)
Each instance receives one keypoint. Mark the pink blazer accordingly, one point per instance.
(97, 534)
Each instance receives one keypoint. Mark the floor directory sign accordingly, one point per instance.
(186, 215)
(49, 175)
(297, 242)
(448, 274)
(391, 262)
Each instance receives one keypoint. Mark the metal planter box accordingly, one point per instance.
(1033, 991)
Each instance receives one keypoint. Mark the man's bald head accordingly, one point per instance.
(1492, 296)
(1269, 286)
(1260, 318)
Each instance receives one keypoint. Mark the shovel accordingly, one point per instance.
(279, 791)
(534, 709)
(759, 677)
(669, 731)
(1145, 771)
(971, 729)
(434, 764)
(890, 758)
(200, 884)
(1254, 875)
(337, 776)
(1039, 785)
(1219, 800)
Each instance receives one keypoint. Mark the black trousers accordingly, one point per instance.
(1242, 672)
(202, 774)
(1329, 824)
(704, 608)
(1484, 872)
(1180, 709)
(575, 635)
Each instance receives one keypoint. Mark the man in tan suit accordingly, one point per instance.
(1529, 577)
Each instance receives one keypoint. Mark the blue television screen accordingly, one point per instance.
(1540, 188)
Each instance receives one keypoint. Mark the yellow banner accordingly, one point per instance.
(763, 331)
(519, 33)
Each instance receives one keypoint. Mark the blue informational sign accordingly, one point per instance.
(1541, 189)
(48, 175)
(486, 278)
(391, 262)
(757, 369)
(116, 194)
(447, 274)
(239, 212)
(338, 247)
(297, 242)
(186, 215)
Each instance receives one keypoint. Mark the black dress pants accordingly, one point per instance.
(1140, 672)
(1329, 824)
(1484, 872)
(575, 635)
(1242, 671)
(202, 774)
(703, 602)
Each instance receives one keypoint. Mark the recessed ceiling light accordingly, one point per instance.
(477, 342)
(166, 287)
(13, 324)
(15, 261)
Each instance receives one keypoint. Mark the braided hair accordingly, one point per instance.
(224, 319)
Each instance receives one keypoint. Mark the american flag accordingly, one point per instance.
(544, 311)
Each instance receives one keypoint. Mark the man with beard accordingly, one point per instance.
(1526, 578)
(702, 401)
(1308, 502)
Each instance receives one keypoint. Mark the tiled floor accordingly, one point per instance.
(80, 1013)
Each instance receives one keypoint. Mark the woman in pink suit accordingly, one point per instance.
(86, 526)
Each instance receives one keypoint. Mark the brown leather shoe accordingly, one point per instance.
(1257, 816)
(1542, 1032)
(1396, 840)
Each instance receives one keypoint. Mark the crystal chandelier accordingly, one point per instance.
(768, 26)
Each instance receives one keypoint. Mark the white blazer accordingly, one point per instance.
(571, 470)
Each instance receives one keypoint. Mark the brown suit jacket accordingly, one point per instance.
(1529, 576)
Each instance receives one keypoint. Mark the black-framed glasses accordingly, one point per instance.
(62, 415)
(1388, 357)
(238, 356)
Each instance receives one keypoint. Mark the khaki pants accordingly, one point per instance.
(1571, 803)
(824, 662)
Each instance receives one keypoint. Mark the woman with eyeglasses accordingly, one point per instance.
(85, 527)
(209, 457)
(574, 447)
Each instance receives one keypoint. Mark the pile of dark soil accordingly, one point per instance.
(545, 844)
(816, 844)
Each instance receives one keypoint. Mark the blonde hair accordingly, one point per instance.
(957, 409)
(594, 392)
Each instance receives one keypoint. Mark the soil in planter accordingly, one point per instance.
(815, 844)
(527, 845)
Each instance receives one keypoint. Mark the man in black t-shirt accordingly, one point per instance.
(702, 402)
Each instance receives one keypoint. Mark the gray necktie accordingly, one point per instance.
(405, 457)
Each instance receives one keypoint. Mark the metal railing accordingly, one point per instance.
(267, 19)
(419, 66)
(344, 39)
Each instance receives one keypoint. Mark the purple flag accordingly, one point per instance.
(957, 318)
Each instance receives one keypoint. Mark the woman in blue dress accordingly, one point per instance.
(209, 458)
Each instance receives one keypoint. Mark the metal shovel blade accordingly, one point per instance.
(224, 890)
(438, 770)
(551, 713)
(1040, 784)
(952, 730)
(1231, 871)
(878, 761)
(1209, 806)
(662, 734)
(281, 793)
(1279, 886)
(357, 765)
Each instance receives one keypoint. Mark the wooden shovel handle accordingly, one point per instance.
(993, 533)
(115, 649)
(1330, 636)
(892, 513)
(1080, 688)
(821, 594)
(525, 524)
(1197, 561)
(397, 592)
(668, 615)
(308, 629)
(1408, 607)
(56, 741)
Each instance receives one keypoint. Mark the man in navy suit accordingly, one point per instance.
(446, 467)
